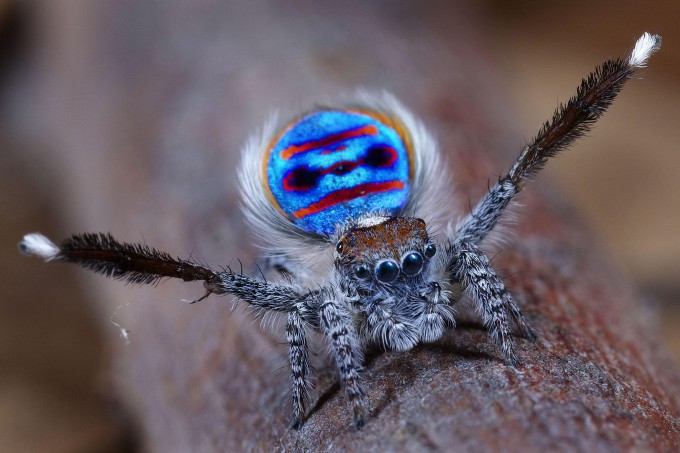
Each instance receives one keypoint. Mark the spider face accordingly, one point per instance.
(385, 251)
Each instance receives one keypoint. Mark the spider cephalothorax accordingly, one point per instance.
(360, 178)
(384, 265)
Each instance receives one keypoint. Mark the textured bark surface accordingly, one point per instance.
(160, 98)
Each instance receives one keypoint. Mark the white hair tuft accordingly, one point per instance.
(645, 46)
(39, 245)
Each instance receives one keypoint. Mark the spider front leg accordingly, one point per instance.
(471, 267)
(336, 323)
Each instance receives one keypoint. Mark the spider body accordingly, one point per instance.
(343, 200)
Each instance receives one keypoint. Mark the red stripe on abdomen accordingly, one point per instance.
(328, 140)
(349, 194)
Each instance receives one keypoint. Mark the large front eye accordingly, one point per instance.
(412, 263)
(387, 271)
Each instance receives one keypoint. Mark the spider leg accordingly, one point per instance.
(299, 364)
(103, 254)
(336, 323)
(568, 123)
(471, 267)
(282, 298)
(279, 297)
(140, 264)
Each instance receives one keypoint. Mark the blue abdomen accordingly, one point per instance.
(334, 165)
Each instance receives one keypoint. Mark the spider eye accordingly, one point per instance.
(339, 247)
(362, 272)
(412, 263)
(430, 250)
(387, 271)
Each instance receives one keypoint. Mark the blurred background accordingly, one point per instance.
(53, 354)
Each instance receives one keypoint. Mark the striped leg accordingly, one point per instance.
(337, 325)
(299, 364)
(472, 268)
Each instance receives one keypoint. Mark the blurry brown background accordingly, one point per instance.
(52, 350)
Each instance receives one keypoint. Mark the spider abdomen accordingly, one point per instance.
(334, 165)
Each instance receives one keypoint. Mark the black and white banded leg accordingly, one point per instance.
(499, 311)
(299, 365)
(336, 324)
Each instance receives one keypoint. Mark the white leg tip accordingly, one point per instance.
(645, 46)
(38, 244)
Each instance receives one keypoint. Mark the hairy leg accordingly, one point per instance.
(471, 267)
(569, 122)
(140, 264)
(299, 365)
(336, 324)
